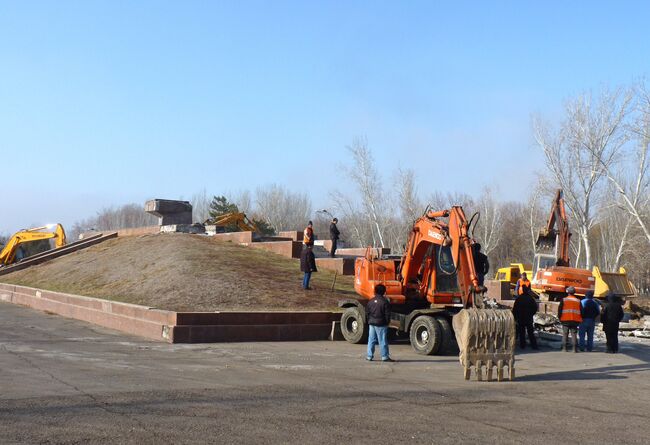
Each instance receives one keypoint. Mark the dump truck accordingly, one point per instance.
(512, 273)
(435, 296)
(10, 253)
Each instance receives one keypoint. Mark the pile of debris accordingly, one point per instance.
(631, 326)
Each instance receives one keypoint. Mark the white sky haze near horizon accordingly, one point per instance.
(110, 102)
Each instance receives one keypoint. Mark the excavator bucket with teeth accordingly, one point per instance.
(486, 338)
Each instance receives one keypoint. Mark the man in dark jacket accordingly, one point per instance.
(334, 236)
(481, 263)
(307, 265)
(378, 316)
(590, 310)
(610, 317)
(524, 310)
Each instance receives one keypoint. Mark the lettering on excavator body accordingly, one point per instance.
(436, 235)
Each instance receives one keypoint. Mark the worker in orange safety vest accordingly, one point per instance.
(570, 314)
(308, 235)
(521, 283)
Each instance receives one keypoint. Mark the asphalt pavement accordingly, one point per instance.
(66, 381)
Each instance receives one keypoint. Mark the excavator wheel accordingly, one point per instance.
(426, 335)
(353, 327)
(448, 345)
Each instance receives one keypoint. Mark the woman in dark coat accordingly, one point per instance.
(611, 316)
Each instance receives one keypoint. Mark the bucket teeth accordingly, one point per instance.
(486, 338)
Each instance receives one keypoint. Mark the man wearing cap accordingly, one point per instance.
(570, 314)
(590, 310)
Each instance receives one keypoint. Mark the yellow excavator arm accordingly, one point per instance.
(52, 231)
(238, 219)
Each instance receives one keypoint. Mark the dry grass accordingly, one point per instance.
(185, 273)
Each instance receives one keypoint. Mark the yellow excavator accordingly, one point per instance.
(11, 251)
(232, 219)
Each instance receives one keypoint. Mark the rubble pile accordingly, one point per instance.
(638, 327)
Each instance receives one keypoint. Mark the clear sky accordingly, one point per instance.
(109, 102)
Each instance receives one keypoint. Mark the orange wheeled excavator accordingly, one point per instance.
(432, 287)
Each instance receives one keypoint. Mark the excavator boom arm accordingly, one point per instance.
(428, 230)
(8, 253)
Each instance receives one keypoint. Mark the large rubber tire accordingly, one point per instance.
(448, 345)
(425, 335)
(353, 328)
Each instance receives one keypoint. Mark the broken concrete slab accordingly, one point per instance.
(169, 211)
(183, 228)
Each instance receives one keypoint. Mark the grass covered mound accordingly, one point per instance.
(182, 272)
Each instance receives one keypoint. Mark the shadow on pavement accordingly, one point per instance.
(637, 351)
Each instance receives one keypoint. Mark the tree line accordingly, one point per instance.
(596, 152)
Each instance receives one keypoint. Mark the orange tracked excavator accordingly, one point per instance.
(552, 271)
(432, 287)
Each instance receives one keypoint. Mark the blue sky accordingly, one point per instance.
(119, 101)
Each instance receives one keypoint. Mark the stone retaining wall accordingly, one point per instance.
(176, 327)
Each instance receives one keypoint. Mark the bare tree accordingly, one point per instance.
(407, 194)
(364, 175)
(490, 223)
(242, 199)
(354, 219)
(114, 218)
(282, 209)
(535, 213)
(200, 205)
(588, 140)
(633, 188)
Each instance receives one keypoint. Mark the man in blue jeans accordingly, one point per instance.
(590, 310)
(378, 315)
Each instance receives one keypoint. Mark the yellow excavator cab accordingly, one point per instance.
(51, 231)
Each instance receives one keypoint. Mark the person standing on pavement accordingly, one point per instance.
(307, 265)
(308, 235)
(334, 236)
(610, 317)
(570, 315)
(590, 310)
(378, 316)
(524, 310)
